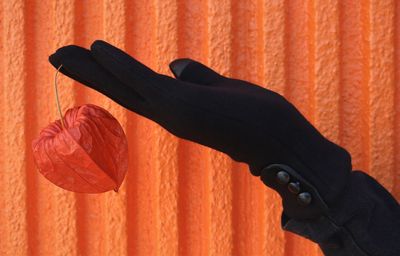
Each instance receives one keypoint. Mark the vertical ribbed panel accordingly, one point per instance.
(193, 170)
(300, 81)
(272, 73)
(13, 221)
(114, 215)
(337, 61)
(381, 88)
(219, 181)
(166, 163)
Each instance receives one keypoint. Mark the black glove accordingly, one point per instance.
(249, 123)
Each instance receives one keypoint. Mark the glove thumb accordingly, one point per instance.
(192, 71)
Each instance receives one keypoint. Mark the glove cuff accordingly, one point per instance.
(332, 239)
(363, 221)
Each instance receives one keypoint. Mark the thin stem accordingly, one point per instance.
(57, 100)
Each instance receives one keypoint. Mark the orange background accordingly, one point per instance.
(337, 61)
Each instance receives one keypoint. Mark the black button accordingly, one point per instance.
(282, 177)
(294, 187)
(290, 201)
(304, 198)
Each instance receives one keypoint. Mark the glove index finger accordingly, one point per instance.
(131, 72)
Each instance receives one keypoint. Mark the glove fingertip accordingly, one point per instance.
(179, 65)
(189, 70)
(54, 60)
(98, 43)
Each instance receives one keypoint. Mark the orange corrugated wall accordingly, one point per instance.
(336, 60)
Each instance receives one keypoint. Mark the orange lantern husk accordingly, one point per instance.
(88, 155)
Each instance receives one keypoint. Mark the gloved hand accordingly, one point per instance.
(249, 123)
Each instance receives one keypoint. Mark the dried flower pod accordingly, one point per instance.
(89, 154)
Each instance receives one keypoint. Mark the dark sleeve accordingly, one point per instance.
(364, 220)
